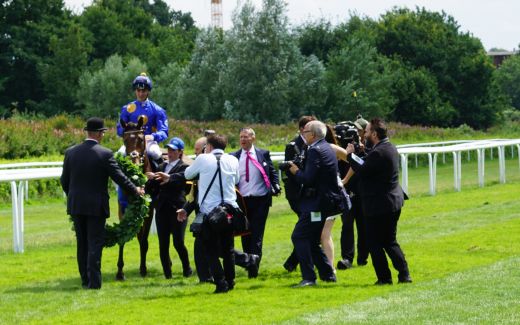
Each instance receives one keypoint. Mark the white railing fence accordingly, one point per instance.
(19, 174)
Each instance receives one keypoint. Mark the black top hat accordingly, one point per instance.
(95, 124)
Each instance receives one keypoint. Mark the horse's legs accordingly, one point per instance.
(142, 236)
(120, 276)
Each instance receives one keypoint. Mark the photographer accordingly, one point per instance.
(321, 198)
(381, 199)
(294, 151)
(351, 183)
(211, 195)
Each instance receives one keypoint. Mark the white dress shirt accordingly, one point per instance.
(205, 166)
(170, 165)
(256, 185)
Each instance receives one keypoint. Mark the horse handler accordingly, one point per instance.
(86, 169)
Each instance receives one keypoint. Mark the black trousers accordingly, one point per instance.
(306, 239)
(257, 211)
(90, 238)
(167, 225)
(292, 260)
(220, 243)
(201, 263)
(347, 233)
(381, 236)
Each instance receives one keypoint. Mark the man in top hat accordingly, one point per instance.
(86, 169)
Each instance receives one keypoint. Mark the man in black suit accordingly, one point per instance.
(86, 169)
(258, 182)
(294, 149)
(170, 185)
(320, 199)
(382, 199)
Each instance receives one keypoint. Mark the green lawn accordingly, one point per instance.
(462, 249)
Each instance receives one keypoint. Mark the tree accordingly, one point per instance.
(60, 73)
(418, 98)
(507, 77)
(431, 40)
(199, 93)
(105, 91)
(25, 31)
(358, 81)
(166, 86)
(259, 82)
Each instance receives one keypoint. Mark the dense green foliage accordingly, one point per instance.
(409, 66)
(47, 50)
(464, 272)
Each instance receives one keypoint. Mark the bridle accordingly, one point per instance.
(136, 156)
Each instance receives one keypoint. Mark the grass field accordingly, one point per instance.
(463, 250)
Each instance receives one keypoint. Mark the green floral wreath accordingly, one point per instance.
(135, 212)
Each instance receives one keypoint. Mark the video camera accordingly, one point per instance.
(298, 158)
(347, 132)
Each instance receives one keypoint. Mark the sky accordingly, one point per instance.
(496, 23)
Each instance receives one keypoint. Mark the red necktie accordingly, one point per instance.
(257, 165)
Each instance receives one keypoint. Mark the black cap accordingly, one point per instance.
(95, 124)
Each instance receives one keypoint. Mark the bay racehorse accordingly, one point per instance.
(134, 141)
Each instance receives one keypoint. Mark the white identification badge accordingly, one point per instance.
(315, 216)
(357, 159)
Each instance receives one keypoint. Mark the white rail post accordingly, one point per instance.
(502, 164)
(432, 167)
(518, 150)
(404, 172)
(481, 158)
(21, 219)
(460, 170)
(457, 161)
(17, 218)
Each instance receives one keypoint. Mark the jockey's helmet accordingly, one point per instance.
(142, 81)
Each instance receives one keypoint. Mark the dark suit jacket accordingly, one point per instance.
(171, 194)
(264, 158)
(379, 180)
(292, 188)
(321, 173)
(86, 169)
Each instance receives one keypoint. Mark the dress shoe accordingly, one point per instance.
(344, 264)
(253, 265)
(187, 272)
(404, 279)
(289, 267)
(362, 263)
(305, 283)
(383, 282)
(222, 287)
(330, 279)
(231, 285)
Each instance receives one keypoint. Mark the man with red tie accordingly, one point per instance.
(258, 182)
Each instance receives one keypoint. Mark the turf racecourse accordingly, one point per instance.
(463, 250)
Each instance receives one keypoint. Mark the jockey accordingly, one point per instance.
(155, 121)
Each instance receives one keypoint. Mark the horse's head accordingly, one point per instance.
(133, 138)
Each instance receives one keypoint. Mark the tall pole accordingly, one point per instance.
(216, 14)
